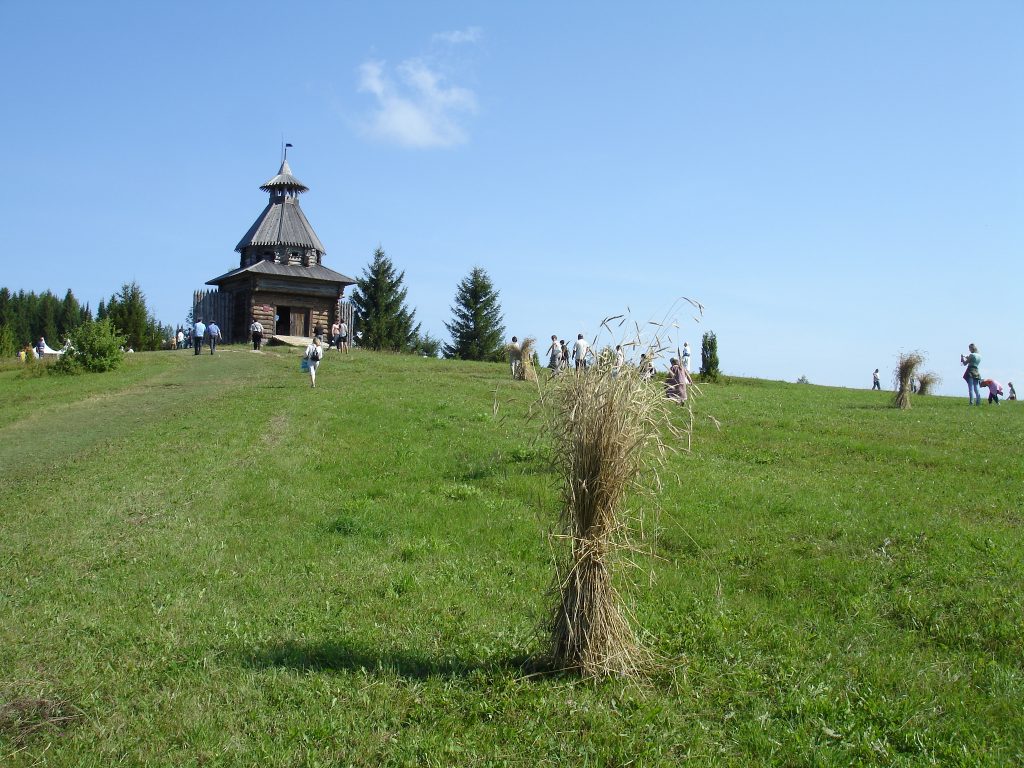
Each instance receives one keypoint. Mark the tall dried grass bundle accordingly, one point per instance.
(906, 369)
(527, 371)
(928, 382)
(607, 431)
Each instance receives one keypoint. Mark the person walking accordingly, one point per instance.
(1013, 392)
(686, 356)
(213, 335)
(198, 331)
(180, 338)
(318, 332)
(314, 354)
(564, 362)
(972, 375)
(515, 357)
(256, 329)
(876, 381)
(554, 356)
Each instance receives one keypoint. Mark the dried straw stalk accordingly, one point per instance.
(906, 369)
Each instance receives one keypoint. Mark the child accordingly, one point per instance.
(1013, 392)
(314, 354)
(995, 389)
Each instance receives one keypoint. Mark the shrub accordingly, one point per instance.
(95, 347)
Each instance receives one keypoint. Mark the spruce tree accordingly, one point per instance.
(476, 326)
(709, 357)
(70, 315)
(379, 304)
(127, 311)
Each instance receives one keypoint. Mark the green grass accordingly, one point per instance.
(205, 562)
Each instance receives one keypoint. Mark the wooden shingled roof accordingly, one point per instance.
(285, 181)
(313, 272)
(282, 223)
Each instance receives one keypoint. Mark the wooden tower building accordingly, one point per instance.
(281, 280)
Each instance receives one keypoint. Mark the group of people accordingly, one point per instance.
(582, 356)
(972, 375)
(202, 332)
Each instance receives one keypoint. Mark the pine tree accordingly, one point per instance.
(379, 304)
(476, 326)
(709, 357)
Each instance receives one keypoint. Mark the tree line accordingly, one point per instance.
(26, 316)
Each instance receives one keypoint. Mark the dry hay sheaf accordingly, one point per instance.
(609, 429)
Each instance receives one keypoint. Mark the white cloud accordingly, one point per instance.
(416, 109)
(458, 36)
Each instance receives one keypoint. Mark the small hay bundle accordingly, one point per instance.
(607, 434)
(906, 369)
(527, 371)
(928, 382)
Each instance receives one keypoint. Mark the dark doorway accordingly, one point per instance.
(292, 321)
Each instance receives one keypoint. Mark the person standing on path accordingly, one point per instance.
(972, 375)
(876, 381)
(198, 331)
(256, 329)
(213, 334)
(314, 354)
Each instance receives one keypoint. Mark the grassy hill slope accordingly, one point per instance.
(204, 561)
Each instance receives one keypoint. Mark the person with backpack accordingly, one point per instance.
(314, 354)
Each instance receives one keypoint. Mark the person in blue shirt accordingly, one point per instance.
(213, 334)
(198, 331)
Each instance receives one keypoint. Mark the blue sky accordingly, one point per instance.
(834, 182)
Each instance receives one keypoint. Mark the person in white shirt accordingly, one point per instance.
(515, 357)
(256, 329)
(620, 360)
(580, 351)
(686, 356)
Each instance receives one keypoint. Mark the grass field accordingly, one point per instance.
(205, 562)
